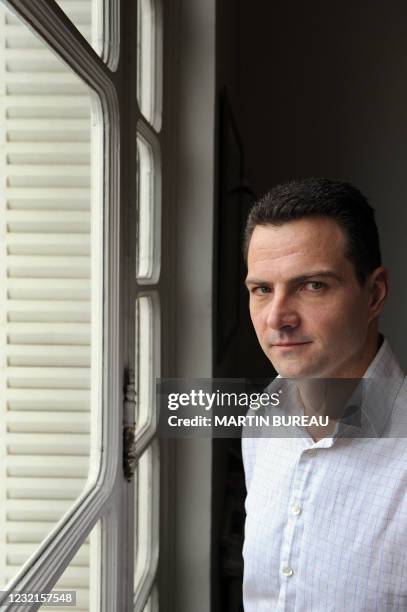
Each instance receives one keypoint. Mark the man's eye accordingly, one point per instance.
(261, 290)
(315, 286)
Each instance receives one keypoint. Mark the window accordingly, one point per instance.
(82, 576)
(64, 332)
(149, 61)
(51, 292)
(149, 206)
(97, 21)
(60, 375)
(146, 526)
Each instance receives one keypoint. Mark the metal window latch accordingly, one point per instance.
(129, 431)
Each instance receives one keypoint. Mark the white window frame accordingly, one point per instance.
(150, 285)
(102, 501)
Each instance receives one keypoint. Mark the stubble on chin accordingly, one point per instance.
(297, 370)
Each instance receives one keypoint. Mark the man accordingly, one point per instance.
(326, 526)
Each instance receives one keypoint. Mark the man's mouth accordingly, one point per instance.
(283, 344)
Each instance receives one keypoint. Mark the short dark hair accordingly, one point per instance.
(316, 197)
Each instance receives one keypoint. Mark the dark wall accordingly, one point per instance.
(240, 356)
(323, 92)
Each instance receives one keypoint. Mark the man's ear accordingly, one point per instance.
(378, 283)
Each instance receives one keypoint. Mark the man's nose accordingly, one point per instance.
(281, 312)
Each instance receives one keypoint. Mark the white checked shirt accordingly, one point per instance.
(326, 526)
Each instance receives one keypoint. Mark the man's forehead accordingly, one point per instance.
(319, 236)
(296, 248)
(305, 275)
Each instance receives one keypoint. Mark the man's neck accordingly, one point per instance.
(329, 396)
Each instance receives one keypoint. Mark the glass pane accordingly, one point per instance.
(152, 603)
(147, 360)
(149, 60)
(83, 14)
(149, 208)
(147, 521)
(97, 21)
(82, 576)
(50, 291)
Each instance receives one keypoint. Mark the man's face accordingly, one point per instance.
(310, 314)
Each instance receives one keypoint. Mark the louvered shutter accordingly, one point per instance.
(45, 294)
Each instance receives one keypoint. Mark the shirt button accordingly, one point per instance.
(287, 571)
(312, 452)
(296, 509)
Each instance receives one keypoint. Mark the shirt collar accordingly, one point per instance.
(381, 384)
(370, 406)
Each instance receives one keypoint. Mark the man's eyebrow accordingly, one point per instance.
(255, 281)
(319, 273)
(298, 279)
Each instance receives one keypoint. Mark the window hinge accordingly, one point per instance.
(129, 430)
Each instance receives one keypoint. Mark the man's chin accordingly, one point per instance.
(292, 373)
(295, 370)
(293, 364)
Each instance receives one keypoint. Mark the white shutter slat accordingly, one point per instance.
(51, 311)
(40, 466)
(46, 125)
(56, 175)
(73, 578)
(43, 357)
(44, 488)
(46, 289)
(48, 399)
(34, 200)
(36, 511)
(43, 109)
(75, 8)
(46, 155)
(49, 333)
(49, 153)
(17, 37)
(42, 53)
(51, 136)
(12, 28)
(19, 62)
(48, 378)
(48, 221)
(45, 217)
(21, 552)
(28, 422)
(54, 356)
(47, 444)
(72, 8)
(23, 79)
(48, 244)
(38, 266)
(29, 533)
(76, 150)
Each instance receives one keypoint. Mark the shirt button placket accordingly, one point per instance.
(296, 509)
(287, 571)
(292, 544)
